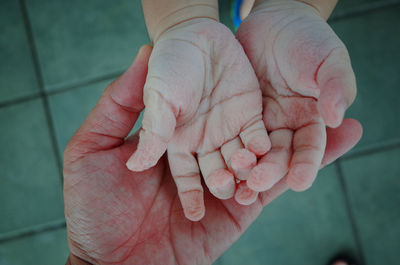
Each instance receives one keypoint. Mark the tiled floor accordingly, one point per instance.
(373, 40)
(29, 175)
(17, 76)
(89, 38)
(58, 56)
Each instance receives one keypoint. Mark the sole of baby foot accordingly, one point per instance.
(221, 184)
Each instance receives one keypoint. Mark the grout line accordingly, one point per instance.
(32, 46)
(39, 75)
(87, 82)
(53, 137)
(350, 213)
(25, 232)
(19, 100)
(364, 9)
(61, 89)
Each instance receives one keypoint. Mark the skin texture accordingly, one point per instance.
(198, 76)
(116, 216)
(163, 15)
(307, 83)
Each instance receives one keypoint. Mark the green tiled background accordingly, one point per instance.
(29, 173)
(17, 77)
(88, 38)
(58, 56)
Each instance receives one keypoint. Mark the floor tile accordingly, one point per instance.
(30, 190)
(80, 40)
(69, 110)
(46, 248)
(373, 183)
(298, 228)
(373, 42)
(17, 78)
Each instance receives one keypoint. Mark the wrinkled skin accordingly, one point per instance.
(116, 216)
(307, 83)
(198, 77)
(122, 217)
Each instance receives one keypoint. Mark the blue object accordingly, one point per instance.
(236, 13)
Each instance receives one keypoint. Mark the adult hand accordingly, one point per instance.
(116, 216)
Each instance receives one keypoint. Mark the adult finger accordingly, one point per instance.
(116, 112)
(341, 139)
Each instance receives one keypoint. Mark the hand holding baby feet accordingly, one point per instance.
(307, 83)
(204, 106)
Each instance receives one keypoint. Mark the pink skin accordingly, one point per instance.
(242, 162)
(116, 216)
(244, 195)
(307, 83)
(198, 76)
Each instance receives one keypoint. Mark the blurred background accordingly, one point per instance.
(56, 58)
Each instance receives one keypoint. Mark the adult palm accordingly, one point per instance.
(116, 216)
